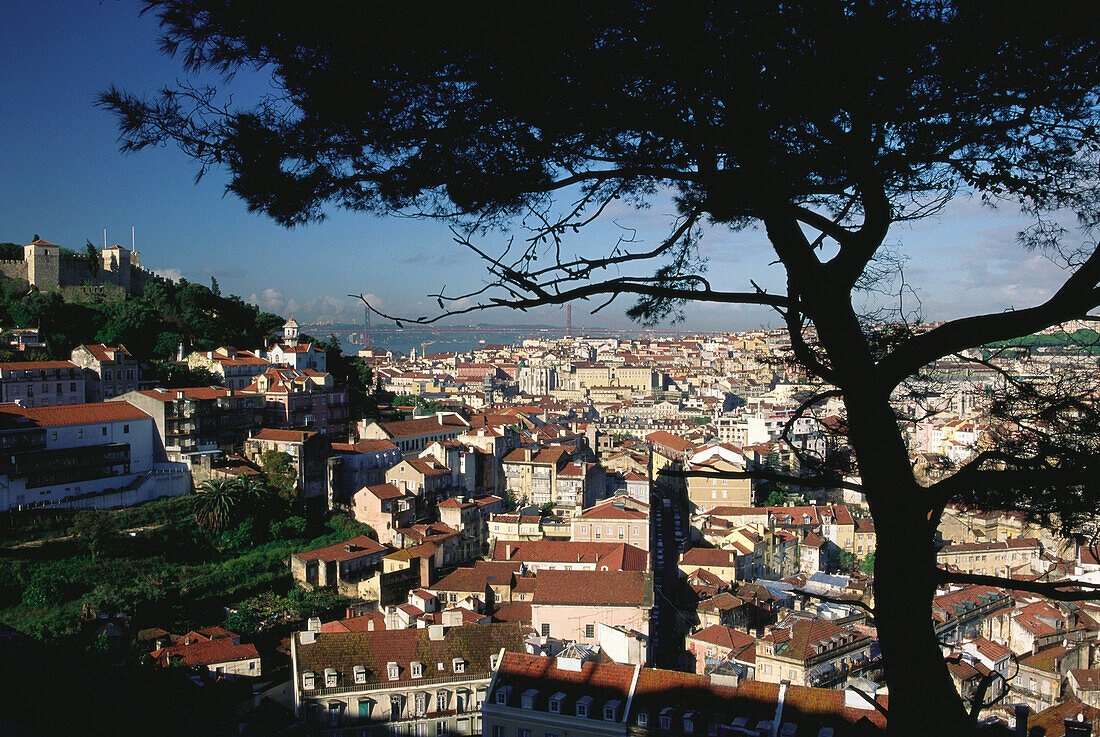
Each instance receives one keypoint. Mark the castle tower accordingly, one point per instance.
(43, 264)
(116, 263)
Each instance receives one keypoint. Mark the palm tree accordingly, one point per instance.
(252, 494)
(214, 503)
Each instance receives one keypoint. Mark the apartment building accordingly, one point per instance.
(82, 455)
(109, 370)
(617, 520)
(814, 652)
(423, 681)
(198, 419)
(41, 383)
(533, 696)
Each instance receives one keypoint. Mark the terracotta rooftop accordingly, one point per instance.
(593, 588)
(472, 645)
(359, 546)
(283, 436)
(77, 414)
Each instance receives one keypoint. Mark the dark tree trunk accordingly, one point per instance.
(923, 699)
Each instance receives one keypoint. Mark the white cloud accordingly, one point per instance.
(173, 274)
(271, 300)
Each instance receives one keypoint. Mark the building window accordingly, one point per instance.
(523, 733)
(104, 433)
(125, 429)
(499, 731)
(459, 665)
(416, 670)
(308, 681)
(546, 627)
(590, 631)
(440, 728)
(360, 673)
(394, 671)
(441, 699)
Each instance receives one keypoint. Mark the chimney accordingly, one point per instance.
(507, 551)
(1077, 727)
(435, 632)
(1019, 727)
(179, 395)
(313, 624)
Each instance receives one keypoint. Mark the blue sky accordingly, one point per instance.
(65, 180)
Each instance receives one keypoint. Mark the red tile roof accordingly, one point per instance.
(191, 392)
(726, 637)
(205, 652)
(593, 588)
(77, 414)
(616, 556)
(34, 365)
(283, 436)
(361, 545)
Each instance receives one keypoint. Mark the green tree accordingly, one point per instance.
(823, 127)
(95, 531)
(867, 565)
(844, 561)
(214, 503)
(280, 474)
(546, 509)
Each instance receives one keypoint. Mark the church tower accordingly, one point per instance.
(290, 332)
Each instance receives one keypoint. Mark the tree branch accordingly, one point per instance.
(769, 475)
(1074, 299)
(625, 285)
(1058, 590)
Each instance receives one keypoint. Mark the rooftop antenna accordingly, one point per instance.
(133, 239)
(104, 239)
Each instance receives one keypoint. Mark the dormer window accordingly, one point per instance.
(503, 693)
(309, 680)
(416, 669)
(582, 706)
(643, 719)
(527, 700)
(330, 677)
(610, 709)
(555, 702)
(393, 670)
(689, 722)
(666, 718)
(459, 665)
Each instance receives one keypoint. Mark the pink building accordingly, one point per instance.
(41, 383)
(385, 508)
(568, 605)
(616, 520)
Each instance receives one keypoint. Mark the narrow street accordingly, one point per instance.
(669, 533)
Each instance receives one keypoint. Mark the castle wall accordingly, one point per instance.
(93, 294)
(14, 269)
(74, 271)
